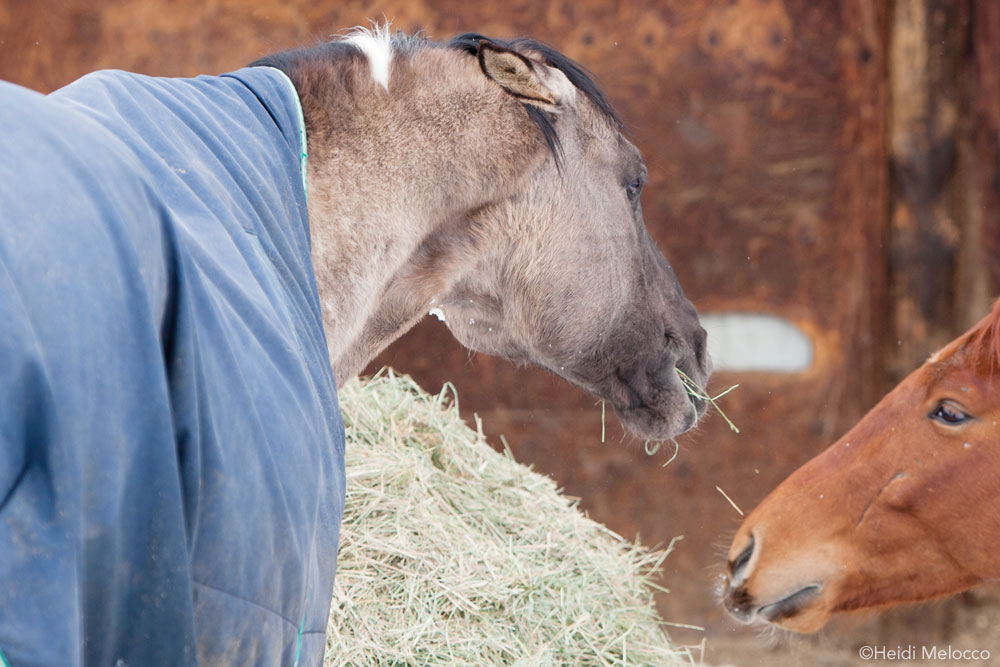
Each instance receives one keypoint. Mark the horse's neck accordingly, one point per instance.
(393, 177)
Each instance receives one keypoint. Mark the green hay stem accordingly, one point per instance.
(694, 390)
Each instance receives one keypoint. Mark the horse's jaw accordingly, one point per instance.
(643, 388)
(655, 407)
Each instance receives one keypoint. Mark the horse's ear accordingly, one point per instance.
(516, 74)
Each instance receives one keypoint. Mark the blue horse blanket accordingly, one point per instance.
(171, 449)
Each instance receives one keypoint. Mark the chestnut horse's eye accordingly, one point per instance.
(634, 189)
(948, 413)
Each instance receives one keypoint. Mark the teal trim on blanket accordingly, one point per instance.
(303, 150)
(298, 640)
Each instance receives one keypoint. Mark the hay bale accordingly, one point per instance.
(454, 554)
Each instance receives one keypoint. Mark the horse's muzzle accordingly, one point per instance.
(655, 404)
(747, 609)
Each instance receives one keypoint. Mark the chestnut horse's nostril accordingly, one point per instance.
(740, 603)
(738, 564)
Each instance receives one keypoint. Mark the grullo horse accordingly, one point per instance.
(189, 268)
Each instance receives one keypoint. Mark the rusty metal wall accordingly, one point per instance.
(765, 125)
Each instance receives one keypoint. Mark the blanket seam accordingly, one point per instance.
(247, 601)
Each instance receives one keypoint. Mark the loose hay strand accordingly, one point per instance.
(452, 553)
(726, 496)
(677, 449)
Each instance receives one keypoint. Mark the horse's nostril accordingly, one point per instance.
(740, 603)
(738, 564)
(700, 342)
(670, 340)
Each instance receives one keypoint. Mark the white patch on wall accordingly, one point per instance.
(740, 341)
(376, 44)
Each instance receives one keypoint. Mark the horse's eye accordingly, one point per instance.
(634, 188)
(948, 413)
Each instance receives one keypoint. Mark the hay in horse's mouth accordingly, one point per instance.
(697, 393)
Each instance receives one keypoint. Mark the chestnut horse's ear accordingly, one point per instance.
(516, 74)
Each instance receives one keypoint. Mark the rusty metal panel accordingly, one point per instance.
(763, 124)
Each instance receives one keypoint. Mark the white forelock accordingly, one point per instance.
(376, 44)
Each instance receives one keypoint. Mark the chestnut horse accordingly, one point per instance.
(900, 509)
